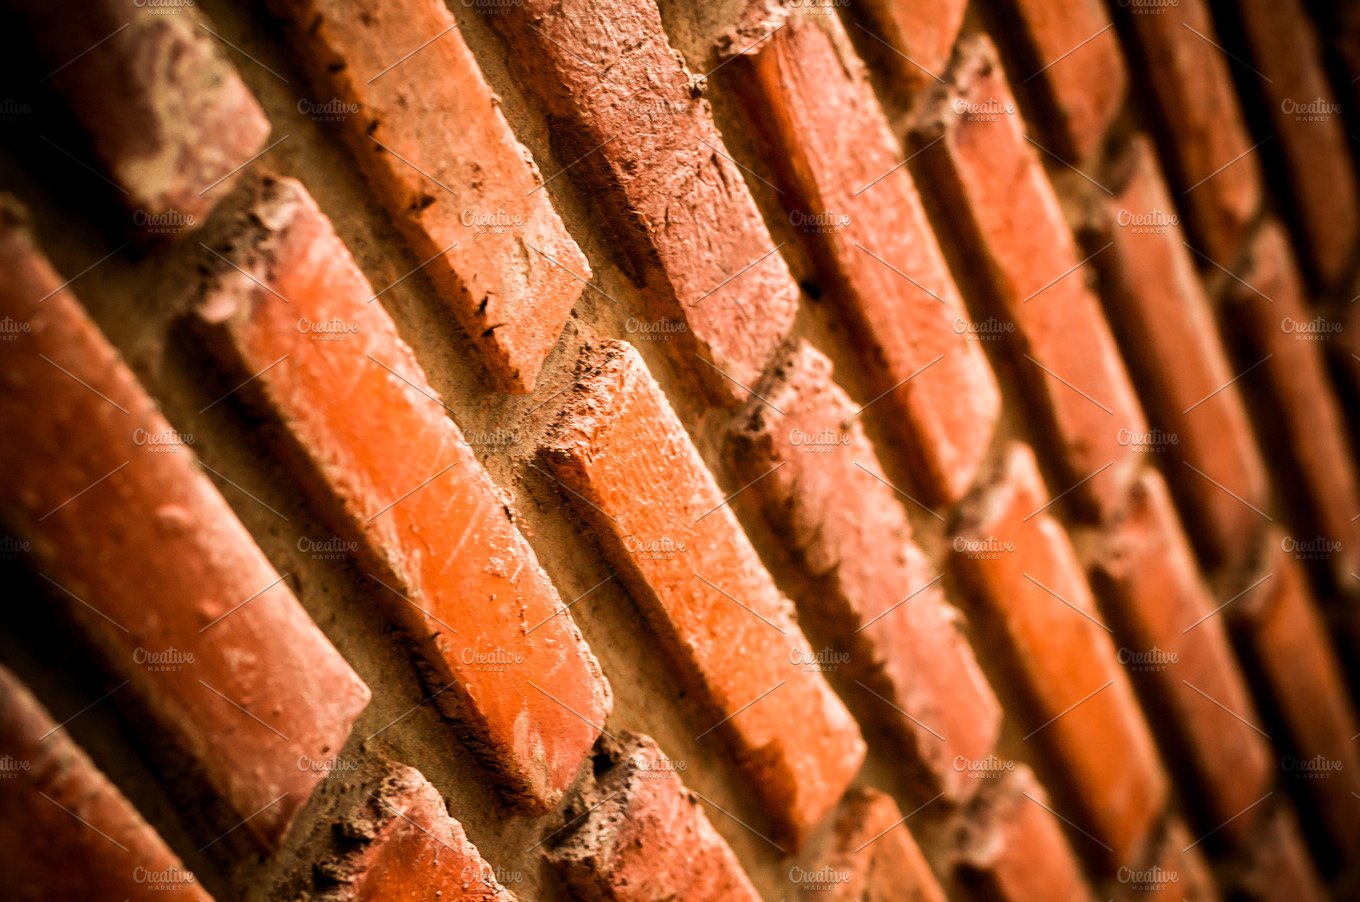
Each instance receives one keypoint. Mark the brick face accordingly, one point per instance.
(919, 36)
(397, 475)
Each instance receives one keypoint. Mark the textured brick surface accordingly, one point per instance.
(880, 598)
(919, 35)
(1035, 597)
(68, 832)
(430, 134)
(626, 462)
(627, 111)
(263, 686)
(396, 473)
(1065, 349)
(842, 163)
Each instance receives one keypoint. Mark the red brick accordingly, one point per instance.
(1280, 867)
(406, 847)
(872, 590)
(626, 461)
(264, 686)
(1178, 872)
(872, 855)
(1013, 848)
(1064, 349)
(68, 832)
(1316, 150)
(1218, 175)
(842, 160)
(1287, 641)
(395, 473)
(638, 834)
(430, 135)
(1173, 346)
(1269, 311)
(919, 33)
(1079, 706)
(166, 113)
(1178, 655)
(1078, 61)
(627, 111)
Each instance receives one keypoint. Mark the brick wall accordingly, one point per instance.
(664, 449)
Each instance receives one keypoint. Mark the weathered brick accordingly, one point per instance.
(1076, 53)
(430, 135)
(1307, 122)
(1269, 313)
(1217, 172)
(403, 845)
(1012, 848)
(1178, 655)
(873, 592)
(1279, 866)
(920, 34)
(1172, 344)
(390, 468)
(980, 159)
(842, 163)
(165, 111)
(1079, 706)
(623, 456)
(628, 113)
(1287, 642)
(68, 833)
(264, 685)
(871, 856)
(637, 834)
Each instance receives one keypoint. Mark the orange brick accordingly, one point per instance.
(842, 161)
(264, 685)
(1078, 704)
(372, 442)
(628, 113)
(920, 35)
(1176, 649)
(1176, 872)
(431, 137)
(626, 461)
(68, 832)
(636, 834)
(1063, 346)
(872, 591)
(1172, 345)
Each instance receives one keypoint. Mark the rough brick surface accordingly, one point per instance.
(636, 834)
(1176, 650)
(879, 598)
(1218, 175)
(1037, 602)
(396, 473)
(167, 114)
(627, 112)
(1173, 346)
(68, 832)
(920, 35)
(628, 464)
(865, 222)
(1065, 349)
(264, 685)
(430, 134)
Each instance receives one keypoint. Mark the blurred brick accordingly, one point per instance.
(1279, 866)
(1078, 703)
(164, 109)
(628, 115)
(877, 596)
(920, 35)
(387, 465)
(1217, 172)
(843, 162)
(261, 685)
(637, 834)
(1177, 652)
(626, 461)
(1172, 344)
(1176, 871)
(978, 157)
(68, 833)
(430, 134)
